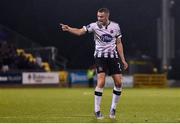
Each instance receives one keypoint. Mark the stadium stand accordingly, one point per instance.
(13, 59)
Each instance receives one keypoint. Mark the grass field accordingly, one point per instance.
(76, 105)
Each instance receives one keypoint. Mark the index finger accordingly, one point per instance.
(61, 24)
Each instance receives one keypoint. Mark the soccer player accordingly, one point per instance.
(108, 53)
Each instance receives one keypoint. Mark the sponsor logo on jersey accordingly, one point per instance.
(106, 38)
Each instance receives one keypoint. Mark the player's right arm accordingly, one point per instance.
(75, 31)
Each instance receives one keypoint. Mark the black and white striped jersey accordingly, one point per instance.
(105, 38)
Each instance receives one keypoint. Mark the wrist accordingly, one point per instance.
(123, 60)
(69, 29)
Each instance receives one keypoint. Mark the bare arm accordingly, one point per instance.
(121, 52)
(75, 31)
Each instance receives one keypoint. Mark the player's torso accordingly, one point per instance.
(105, 37)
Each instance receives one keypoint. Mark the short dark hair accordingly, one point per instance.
(105, 10)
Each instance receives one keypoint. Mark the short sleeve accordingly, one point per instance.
(89, 28)
(118, 32)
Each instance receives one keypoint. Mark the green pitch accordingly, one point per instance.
(76, 105)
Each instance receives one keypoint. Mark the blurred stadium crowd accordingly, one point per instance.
(13, 59)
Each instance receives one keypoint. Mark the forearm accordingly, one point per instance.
(76, 31)
(121, 54)
(120, 50)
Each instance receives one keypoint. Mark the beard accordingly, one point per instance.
(100, 24)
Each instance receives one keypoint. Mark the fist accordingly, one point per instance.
(125, 65)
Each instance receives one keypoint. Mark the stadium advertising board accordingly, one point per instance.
(78, 77)
(10, 78)
(150, 80)
(41, 78)
(127, 81)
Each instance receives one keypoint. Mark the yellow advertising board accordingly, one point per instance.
(150, 80)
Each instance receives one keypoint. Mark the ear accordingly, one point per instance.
(108, 15)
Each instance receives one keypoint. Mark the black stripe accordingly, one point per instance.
(87, 31)
(114, 54)
(97, 93)
(117, 92)
(109, 54)
(117, 36)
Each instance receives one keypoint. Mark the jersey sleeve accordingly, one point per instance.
(118, 32)
(89, 28)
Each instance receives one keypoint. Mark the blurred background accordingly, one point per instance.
(31, 41)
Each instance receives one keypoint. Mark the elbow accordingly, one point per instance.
(79, 34)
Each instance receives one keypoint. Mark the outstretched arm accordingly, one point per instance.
(75, 31)
(121, 53)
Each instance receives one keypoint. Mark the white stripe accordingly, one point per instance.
(112, 55)
(84, 27)
(119, 36)
(99, 54)
(116, 55)
(106, 55)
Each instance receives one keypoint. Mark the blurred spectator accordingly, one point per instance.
(39, 60)
(5, 68)
(11, 61)
(90, 75)
(6, 56)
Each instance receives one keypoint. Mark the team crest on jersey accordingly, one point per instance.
(111, 31)
(106, 38)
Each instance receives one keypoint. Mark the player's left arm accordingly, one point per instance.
(121, 52)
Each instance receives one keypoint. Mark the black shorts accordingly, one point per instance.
(109, 66)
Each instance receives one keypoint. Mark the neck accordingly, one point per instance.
(106, 23)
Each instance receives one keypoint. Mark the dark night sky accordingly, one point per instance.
(38, 20)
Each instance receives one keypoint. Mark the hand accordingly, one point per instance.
(125, 64)
(64, 27)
